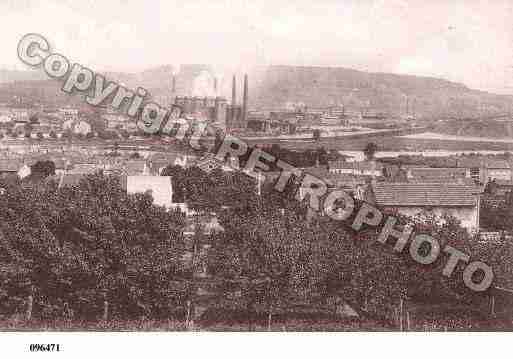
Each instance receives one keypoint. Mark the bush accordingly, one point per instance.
(75, 257)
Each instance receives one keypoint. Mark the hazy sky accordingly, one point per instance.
(467, 41)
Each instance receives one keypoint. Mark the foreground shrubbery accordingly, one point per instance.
(74, 249)
(92, 250)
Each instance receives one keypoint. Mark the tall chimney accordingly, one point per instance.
(174, 83)
(245, 100)
(233, 91)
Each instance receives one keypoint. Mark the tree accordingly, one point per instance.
(68, 134)
(74, 256)
(98, 124)
(322, 156)
(28, 127)
(267, 260)
(370, 150)
(42, 169)
(124, 133)
(316, 134)
(33, 119)
(218, 141)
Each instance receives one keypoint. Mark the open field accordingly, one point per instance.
(412, 142)
(395, 143)
(440, 136)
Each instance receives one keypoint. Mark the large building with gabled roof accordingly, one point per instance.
(459, 200)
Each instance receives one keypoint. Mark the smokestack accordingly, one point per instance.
(174, 83)
(233, 91)
(245, 99)
(215, 85)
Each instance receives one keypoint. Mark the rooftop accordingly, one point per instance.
(70, 180)
(425, 194)
(360, 166)
(9, 165)
(438, 173)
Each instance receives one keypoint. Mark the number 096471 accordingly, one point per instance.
(44, 347)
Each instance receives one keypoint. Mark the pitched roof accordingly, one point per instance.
(425, 194)
(208, 163)
(156, 166)
(497, 164)
(505, 183)
(438, 173)
(469, 162)
(359, 166)
(70, 180)
(317, 171)
(10, 165)
(86, 168)
(134, 167)
(338, 164)
(60, 163)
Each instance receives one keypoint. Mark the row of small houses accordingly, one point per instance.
(67, 165)
(479, 169)
(461, 200)
(429, 190)
(411, 190)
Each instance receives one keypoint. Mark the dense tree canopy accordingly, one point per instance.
(80, 245)
(76, 247)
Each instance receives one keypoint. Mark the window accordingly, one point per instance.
(474, 173)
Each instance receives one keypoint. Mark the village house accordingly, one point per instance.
(68, 114)
(485, 169)
(85, 168)
(61, 165)
(157, 166)
(499, 187)
(427, 174)
(116, 121)
(159, 161)
(159, 187)
(136, 168)
(362, 168)
(457, 200)
(24, 171)
(41, 131)
(497, 169)
(65, 180)
(209, 163)
(9, 167)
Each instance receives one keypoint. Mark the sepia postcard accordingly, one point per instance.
(211, 166)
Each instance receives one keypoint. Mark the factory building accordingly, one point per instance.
(213, 108)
